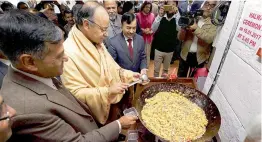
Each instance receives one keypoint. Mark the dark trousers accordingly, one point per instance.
(177, 51)
(190, 62)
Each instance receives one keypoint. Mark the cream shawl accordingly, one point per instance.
(89, 73)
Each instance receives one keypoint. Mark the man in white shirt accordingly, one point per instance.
(128, 48)
(165, 38)
(46, 111)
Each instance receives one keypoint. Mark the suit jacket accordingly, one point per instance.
(119, 51)
(3, 71)
(45, 114)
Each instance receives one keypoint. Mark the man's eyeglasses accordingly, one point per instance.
(103, 29)
(4, 115)
(207, 4)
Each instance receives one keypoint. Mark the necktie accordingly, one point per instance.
(130, 48)
(57, 83)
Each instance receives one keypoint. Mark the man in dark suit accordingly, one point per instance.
(46, 111)
(128, 48)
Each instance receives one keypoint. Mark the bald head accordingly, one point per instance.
(105, 2)
(88, 10)
(93, 21)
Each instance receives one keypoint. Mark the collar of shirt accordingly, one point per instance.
(6, 62)
(127, 38)
(174, 16)
(46, 81)
(127, 41)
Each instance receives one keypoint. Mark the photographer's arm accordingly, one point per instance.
(157, 20)
(181, 34)
(156, 23)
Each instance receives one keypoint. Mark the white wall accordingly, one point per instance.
(237, 93)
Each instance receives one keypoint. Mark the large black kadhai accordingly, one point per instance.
(195, 96)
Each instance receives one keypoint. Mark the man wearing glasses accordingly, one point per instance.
(6, 114)
(91, 74)
(46, 111)
(197, 40)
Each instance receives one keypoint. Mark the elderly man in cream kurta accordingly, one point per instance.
(91, 74)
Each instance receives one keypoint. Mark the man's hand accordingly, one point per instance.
(193, 27)
(175, 9)
(136, 76)
(127, 121)
(143, 71)
(118, 88)
(161, 12)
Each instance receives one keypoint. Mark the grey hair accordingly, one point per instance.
(25, 33)
(41, 50)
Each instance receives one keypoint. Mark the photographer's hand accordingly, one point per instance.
(193, 27)
(161, 12)
(175, 9)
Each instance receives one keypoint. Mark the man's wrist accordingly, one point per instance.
(119, 126)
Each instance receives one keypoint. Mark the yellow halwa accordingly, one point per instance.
(173, 117)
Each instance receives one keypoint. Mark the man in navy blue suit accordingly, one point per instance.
(128, 48)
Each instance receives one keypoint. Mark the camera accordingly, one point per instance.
(188, 19)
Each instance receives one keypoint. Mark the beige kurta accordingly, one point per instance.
(89, 73)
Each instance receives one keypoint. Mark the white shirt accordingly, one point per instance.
(120, 127)
(46, 81)
(132, 43)
(6, 62)
(193, 47)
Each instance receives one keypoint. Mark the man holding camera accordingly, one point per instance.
(197, 40)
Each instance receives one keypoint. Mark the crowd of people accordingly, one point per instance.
(63, 73)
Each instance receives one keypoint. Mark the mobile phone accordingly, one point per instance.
(167, 7)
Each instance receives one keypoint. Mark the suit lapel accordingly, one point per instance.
(64, 100)
(39, 88)
(125, 47)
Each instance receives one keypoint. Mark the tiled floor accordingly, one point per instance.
(171, 68)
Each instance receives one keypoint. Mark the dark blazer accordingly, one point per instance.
(3, 71)
(45, 114)
(119, 51)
